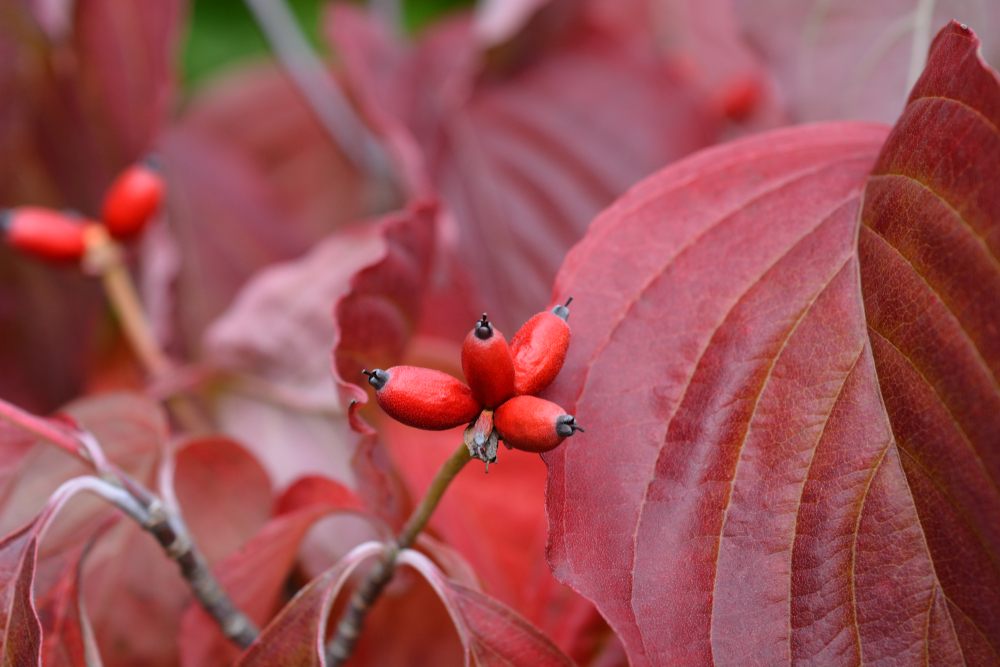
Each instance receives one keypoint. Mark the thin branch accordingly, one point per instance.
(172, 535)
(104, 258)
(320, 90)
(352, 621)
(148, 510)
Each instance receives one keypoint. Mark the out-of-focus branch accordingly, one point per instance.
(351, 622)
(145, 508)
(318, 87)
(104, 258)
(921, 44)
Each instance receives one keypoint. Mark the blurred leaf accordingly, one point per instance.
(524, 157)
(853, 58)
(219, 473)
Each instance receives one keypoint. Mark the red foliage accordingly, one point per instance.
(785, 349)
(804, 438)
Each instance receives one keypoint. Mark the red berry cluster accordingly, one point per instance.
(499, 403)
(129, 203)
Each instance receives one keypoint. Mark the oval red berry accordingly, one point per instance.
(131, 200)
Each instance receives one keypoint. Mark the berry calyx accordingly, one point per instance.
(488, 365)
(533, 424)
(133, 198)
(44, 233)
(539, 350)
(563, 311)
(423, 397)
(483, 330)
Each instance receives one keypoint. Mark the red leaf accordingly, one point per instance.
(257, 114)
(255, 575)
(217, 473)
(764, 441)
(67, 635)
(525, 159)
(227, 223)
(930, 279)
(712, 300)
(316, 490)
(491, 633)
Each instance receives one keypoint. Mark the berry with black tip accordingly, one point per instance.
(423, 397)
(133, 198)
(43, 232)
(488, 365)
(539, 350)
(533, 424)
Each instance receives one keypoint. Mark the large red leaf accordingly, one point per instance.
(525, 158)
(765, 479)
(930, 279)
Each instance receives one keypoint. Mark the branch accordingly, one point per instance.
(352, 621)
(173, 536)
(320, 90)
(104, 257)
(162, 520)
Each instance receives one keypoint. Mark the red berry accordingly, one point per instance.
(487, 364)
(43, 232)
(533, 424)
(423, 398)
(132, 199)
(539, 350)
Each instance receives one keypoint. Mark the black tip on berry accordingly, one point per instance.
(377, 378)
(563, 311)
(566, 426)
(484, 330)
(6, 217)
(153, 162)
